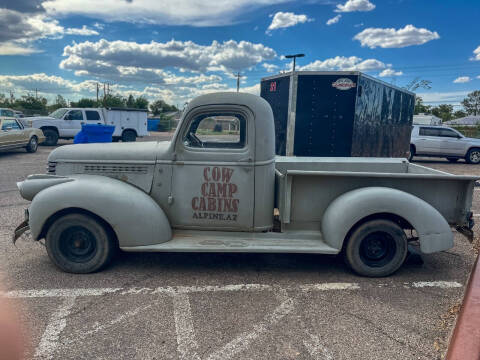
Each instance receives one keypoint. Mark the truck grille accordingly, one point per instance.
(115, 169)
(51, 167)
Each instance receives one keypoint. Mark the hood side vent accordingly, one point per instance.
(115, 169)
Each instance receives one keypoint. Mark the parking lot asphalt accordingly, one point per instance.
(226, 306)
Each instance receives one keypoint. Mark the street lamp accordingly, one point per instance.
(294, 58)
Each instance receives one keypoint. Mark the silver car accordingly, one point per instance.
(442, 141)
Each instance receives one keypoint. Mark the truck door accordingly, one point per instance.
(93, 117)
(72, 123)
(451, 143)
(213, 177)
(429, 140)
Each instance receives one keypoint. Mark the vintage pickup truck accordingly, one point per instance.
(218, 187)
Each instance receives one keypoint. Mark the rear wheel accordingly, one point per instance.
(79, 244)
(51, 137)
(452, 160)
(32, 144)
(473, 156)
(412, 153)
(129, 136)
(376, 248)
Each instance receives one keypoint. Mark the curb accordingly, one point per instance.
(465, 340)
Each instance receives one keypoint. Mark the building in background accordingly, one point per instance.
(426, 119)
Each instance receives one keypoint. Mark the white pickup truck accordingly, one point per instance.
(65, 123)
(218, 186)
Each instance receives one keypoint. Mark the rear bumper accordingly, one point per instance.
(22, 228)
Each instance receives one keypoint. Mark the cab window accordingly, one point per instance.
(10, 125)
(425, 131)
(448, 133)
(216, 130)
(75, 115)
(92, 115)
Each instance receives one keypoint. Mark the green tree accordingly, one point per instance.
(443, 111)
(472, 103)
(85, 103)
(459, 114)
(141, 103)
(130, 101)
(60, 102)
(31, 104)
(117, 101)
(159, 106)
(420, 107)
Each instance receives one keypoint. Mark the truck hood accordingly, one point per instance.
(37, 118)
(472, 140)
(111, 152)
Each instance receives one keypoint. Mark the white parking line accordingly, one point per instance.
(172, 290)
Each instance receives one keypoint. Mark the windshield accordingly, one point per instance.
(57, 114)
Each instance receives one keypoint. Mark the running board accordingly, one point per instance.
(216, 241)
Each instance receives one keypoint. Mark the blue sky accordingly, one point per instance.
(178, 49)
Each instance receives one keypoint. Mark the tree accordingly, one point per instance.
(31, 104)
(160, 106)
(141, 103)
(130, 101)
(472, 103)
(418, 83)
(114, 101)
(85, 103)
(420, 107)
(60, 102)
(459, 114)
(443, 111)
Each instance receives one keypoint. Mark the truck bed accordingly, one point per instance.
(301, 205)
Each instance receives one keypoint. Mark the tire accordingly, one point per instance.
(79, 244)
(412, 153)
(51, 137)
(376, 248)
(473, 156)
(452, 160)
(129, 136)
(32, 144)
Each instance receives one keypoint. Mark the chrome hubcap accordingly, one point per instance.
(475, 156)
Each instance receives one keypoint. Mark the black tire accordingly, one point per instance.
(79, 244)
(51, 137)
(412, 153)
(452, 160)
(32, 144)
(473, 156)
(129, 136)
(376, 248)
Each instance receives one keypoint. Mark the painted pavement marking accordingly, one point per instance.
(187, 345)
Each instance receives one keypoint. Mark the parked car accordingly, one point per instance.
(13, 134)
(443, 141)
(210, 192)
(65, 123)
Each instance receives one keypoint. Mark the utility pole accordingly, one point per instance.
(97, 92)
(238, 81)
(104, 93)
(36, 93)
(294, 57)
(108, 88)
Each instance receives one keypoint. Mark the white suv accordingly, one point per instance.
(442, 141)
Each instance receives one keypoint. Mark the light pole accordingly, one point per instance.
(294, 58)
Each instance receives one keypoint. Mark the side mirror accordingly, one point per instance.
(67, 117)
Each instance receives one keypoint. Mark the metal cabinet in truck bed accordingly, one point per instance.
(217, 186)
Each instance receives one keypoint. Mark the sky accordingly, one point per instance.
(178, 49)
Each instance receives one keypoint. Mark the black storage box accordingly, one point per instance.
(340, 113)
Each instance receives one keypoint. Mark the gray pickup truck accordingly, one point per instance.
(218, 187)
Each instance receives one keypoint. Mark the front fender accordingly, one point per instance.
(134, 216)
(348, 209)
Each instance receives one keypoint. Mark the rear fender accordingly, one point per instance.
(348, 209)
(134, 216)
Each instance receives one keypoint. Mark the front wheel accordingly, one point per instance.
(32, 144)
(412, 153)
(376, 248)
(51, 137)
(79, 244)
(473, 156)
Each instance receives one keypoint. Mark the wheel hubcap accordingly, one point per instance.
(377, 249)
(475, 156)
(77, 244)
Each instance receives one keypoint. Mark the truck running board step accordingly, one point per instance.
(206, 241)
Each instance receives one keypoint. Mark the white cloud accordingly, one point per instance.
(462, 79)
(334, 20)
(453, 97)
(390, 72)
(355, 5)
(270, 67)
(105, 58)
(287, 19)
(165, 12)
(476, 54)
(19, 30)
(352, 63)
(392, 38)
